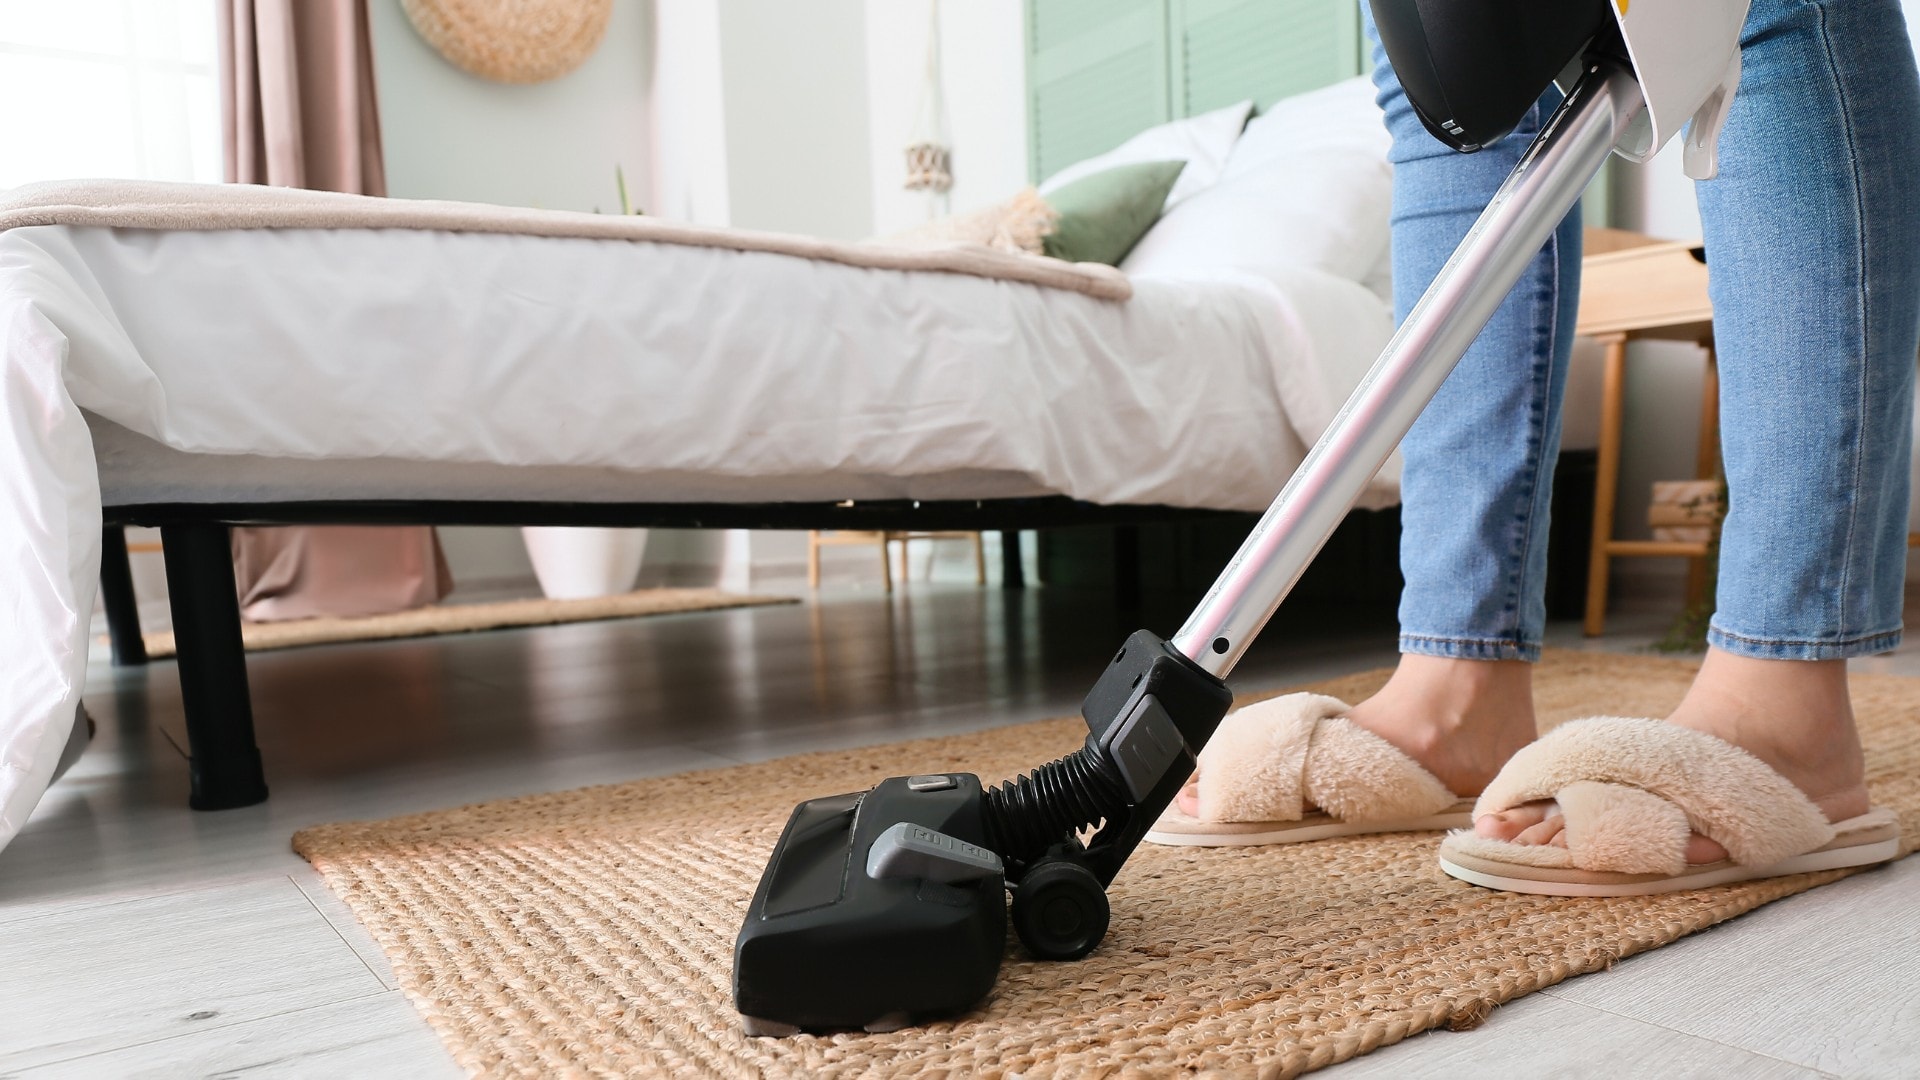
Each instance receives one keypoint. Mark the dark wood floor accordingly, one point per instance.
(141, 936)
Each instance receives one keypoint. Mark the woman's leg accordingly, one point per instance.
(1478, 468)
(1810, 232)
(1479, 461)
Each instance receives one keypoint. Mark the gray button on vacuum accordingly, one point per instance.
(907, 850)
(929, 783)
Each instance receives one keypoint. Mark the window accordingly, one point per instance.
(108, 88)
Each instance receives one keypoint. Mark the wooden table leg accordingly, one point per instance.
(1607, 480)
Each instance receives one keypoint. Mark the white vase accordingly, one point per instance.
(574, 563)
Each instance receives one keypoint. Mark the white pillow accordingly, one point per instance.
(1307, 184)
(1203, 142)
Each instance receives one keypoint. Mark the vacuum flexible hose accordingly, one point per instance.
(1027, 815)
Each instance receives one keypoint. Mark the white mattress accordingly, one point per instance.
(713, 374)
(290, 364)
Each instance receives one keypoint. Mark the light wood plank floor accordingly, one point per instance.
(140, 939)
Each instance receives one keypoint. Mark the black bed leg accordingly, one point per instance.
(1126, 567)
(1013, 572)
(116, 593)
(225, 763)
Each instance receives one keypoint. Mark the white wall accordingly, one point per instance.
(451, 135)
(795, 86)
(689, 156)
(983, 64)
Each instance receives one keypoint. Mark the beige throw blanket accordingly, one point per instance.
(138, 204)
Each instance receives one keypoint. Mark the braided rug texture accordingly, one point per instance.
(590, 932)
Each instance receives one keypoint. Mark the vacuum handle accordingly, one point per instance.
(1535, 197)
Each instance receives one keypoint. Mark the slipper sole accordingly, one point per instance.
(1872, 838)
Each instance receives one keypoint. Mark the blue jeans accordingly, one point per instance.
(1813, 241)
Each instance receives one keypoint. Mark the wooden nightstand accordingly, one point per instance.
(1636, 288)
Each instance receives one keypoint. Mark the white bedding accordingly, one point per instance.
(296, 363)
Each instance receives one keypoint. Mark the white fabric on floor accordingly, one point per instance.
(298, 363)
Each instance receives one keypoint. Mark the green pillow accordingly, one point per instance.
(1102, 216)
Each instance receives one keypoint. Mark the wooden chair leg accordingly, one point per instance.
(1606, 482)
(903, 560)
(886, 567)
(1707, 465)
(979, 560)
(813, 561)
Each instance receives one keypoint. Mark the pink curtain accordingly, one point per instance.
(298, 107)
(297, 95)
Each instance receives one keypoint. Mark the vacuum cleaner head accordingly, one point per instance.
(888, 907)
(873, 912)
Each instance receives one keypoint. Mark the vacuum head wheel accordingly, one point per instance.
(1060, 910)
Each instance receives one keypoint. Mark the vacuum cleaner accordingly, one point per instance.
(885, 908)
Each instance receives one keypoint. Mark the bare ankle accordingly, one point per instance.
(1795, 715)
(1461, 719)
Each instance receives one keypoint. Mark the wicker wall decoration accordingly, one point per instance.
(512, 41)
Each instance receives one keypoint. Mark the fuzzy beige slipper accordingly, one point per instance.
(1293, 768)
(1632, 791)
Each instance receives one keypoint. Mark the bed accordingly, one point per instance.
(194, 357)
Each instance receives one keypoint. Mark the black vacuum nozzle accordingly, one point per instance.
(888, 907)
(878, 909)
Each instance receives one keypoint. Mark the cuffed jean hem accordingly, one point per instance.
(1469, 648)
(1782, 649)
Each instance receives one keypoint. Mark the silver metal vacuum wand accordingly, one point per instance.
(1536, 196)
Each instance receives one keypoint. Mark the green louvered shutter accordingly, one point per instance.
(1229, 50)
(1096, 76)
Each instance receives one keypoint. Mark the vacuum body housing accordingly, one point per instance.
(1472, 68)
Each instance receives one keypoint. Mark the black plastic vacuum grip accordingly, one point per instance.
(884, 908)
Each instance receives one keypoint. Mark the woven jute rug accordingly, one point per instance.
(464, 618)
(590, 932)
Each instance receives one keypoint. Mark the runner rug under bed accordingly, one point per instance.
(465, 618)
(590, 932)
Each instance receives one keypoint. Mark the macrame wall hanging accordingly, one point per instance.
(929, 155)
